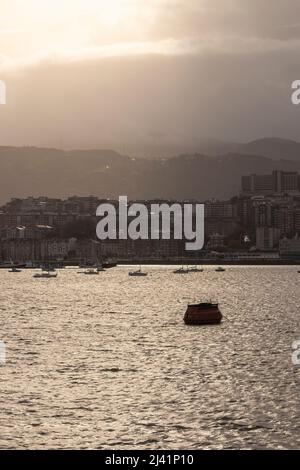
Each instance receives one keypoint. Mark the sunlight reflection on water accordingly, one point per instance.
(107, 362)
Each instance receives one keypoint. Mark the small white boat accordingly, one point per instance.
(220, 270)
(45, 275)
(91, 272)
(138, 273)
(181, 270)
(6, 264)
(195, 269)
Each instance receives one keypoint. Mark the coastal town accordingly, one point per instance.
(260, 224)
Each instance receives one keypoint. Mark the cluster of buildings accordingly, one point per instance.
(270, 210)
(32, 229)
(279, 182)
(263, 218)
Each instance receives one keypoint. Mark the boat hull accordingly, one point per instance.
(202, 315)
(40, 276)
(138, 274)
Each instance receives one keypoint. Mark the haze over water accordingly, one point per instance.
(107, 362)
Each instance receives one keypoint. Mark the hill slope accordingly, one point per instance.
(105, 173)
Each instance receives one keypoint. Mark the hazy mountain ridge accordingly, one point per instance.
(272, 147)
(105, 173)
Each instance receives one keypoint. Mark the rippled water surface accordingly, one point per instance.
(107, 362)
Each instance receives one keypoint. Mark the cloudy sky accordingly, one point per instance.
(98, 73)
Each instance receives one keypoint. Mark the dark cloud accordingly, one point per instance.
(228, 76)
(278, 19)
(115, 101)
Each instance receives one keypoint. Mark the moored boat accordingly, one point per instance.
(45, 275)
(181, 270)
(220, 270)
(91, 271)
(205, 313)
(138, 273)
(195, 269)
(11, 264)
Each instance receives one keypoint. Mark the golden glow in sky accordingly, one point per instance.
(58, 27)
(37, 30)
(155, 69)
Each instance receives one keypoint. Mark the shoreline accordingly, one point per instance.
(164, 262)
(218, 262)
(187, 262)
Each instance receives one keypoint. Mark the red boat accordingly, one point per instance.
(205, 313)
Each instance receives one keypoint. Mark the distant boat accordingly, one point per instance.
(15, 270)
(181, 270)
(220, 270)
(91, 272)
(195, 269)
(138, 273)
(6, 264)
(45, 275)
(11, 264)
(205, 313)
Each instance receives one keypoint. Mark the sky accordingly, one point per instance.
(113, 73)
